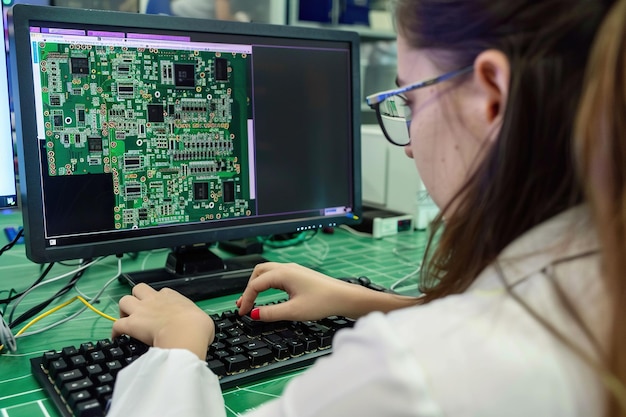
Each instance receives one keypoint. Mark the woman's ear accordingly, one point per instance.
(491, 76)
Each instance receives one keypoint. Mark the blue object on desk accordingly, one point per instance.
(11, 232)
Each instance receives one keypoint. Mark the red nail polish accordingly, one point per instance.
(255, 314)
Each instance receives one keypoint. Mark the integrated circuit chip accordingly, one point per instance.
(94, 144)
(184, 75)
(155, 113)
(228, 191)
(201, 191)
(79, 66)
(221, 69)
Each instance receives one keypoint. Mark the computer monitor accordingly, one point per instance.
(139, 132)
(8, 189)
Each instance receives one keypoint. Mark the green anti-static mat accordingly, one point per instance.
(340, 254)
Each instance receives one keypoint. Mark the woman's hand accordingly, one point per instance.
(312, 295)
(164, 319)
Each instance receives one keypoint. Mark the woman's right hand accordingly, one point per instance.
(312, 295)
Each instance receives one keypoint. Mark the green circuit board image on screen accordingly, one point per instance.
(170, 126)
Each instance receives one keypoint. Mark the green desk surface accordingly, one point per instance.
(340, 254)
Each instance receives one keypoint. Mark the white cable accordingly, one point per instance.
(404, 278)
(88, 298)
(145, 258)
(320, 254)
(408, 261)
(6, 336)
(82, 294)
(354, 232)
(91, 301)
(19, 300)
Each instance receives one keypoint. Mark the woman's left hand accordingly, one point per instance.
(164, 319)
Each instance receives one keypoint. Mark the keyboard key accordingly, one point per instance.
(78, 361)
(113, 367)
(104, 344)
(77, 397)
(50, 356)
(86, 347)
(97, 357)
(280, 351)
(94, 370)
(239, 340)
(114, 353)
(57, 366)
(215, 346)
(220, 336)
(310, 344)
(217, 367)
(324, 340)
(69, 351)
(295, 347)
(260, 356)
(230, 315)
(105, 378)
(68, 376)
(235, 350)
(89, 408)
(74, 386)
(223, 325)
(255, 344)
(220, 354)
(236, 363)
(103, 393)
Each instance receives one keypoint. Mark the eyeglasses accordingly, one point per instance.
(392, 112)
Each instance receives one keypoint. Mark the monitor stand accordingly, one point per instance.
(198, 273)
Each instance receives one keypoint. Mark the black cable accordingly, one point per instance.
(12, 243)
(39, 307)
(11, 292)
(37, 281)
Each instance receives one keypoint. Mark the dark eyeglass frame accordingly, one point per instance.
(374, 100)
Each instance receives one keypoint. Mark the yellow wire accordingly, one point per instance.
(57, 308)
(95, 310)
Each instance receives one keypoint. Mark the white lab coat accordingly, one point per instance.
(475, 354)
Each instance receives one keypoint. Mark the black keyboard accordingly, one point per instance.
(80, 379)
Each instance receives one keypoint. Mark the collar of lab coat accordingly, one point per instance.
(565, 236)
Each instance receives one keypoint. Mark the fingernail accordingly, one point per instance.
(254, 314)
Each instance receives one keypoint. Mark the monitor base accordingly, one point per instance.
(232, 279)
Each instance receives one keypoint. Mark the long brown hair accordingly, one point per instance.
(601, 154)
(528, 173)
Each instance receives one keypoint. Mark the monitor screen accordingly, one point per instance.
(143, 131)
(8, 191)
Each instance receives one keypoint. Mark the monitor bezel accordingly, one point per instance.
(7, 145)
(20, 18)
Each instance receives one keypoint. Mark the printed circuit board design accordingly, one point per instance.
(170, 126)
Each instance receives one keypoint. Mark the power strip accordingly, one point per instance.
(382, 223)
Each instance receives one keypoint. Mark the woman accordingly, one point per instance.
(513, 317)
